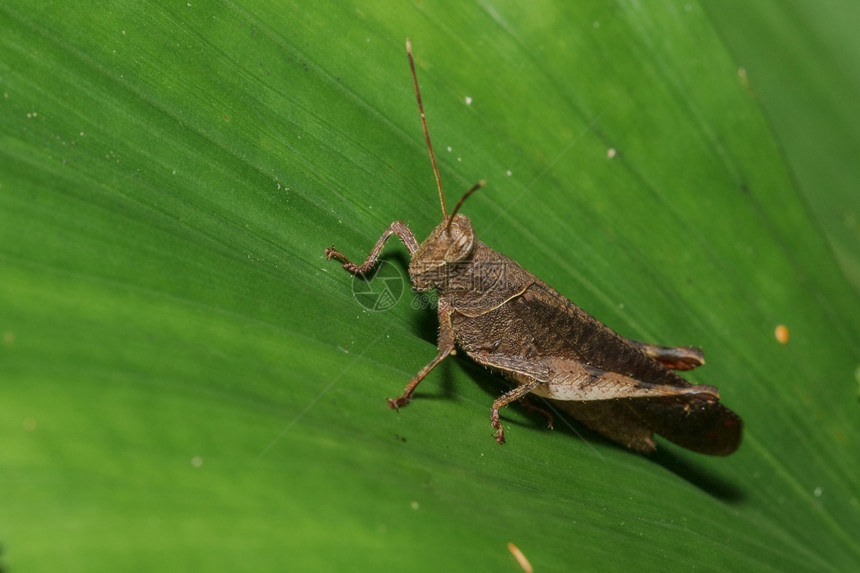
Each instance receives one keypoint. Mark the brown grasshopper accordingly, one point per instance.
(510, 321)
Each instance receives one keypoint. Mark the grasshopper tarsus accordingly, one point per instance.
(497, 425)
(397, 403)
(332, 253)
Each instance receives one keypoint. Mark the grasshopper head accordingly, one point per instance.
(451, 242)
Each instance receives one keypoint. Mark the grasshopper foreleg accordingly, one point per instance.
(398, 228)
(446, 347)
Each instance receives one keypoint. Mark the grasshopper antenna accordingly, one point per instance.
(426, 132)
(462, 200)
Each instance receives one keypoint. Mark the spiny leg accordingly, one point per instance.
(398, 228)
(503, 401)
(446, 347)
(674, 357)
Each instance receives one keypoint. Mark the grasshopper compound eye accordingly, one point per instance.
(460, 237)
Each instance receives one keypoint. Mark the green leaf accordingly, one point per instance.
(800, 56)
(188, 383)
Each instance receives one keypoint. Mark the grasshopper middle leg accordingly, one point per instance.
(515, 394)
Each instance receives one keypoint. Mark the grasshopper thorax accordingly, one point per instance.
(451, 243)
